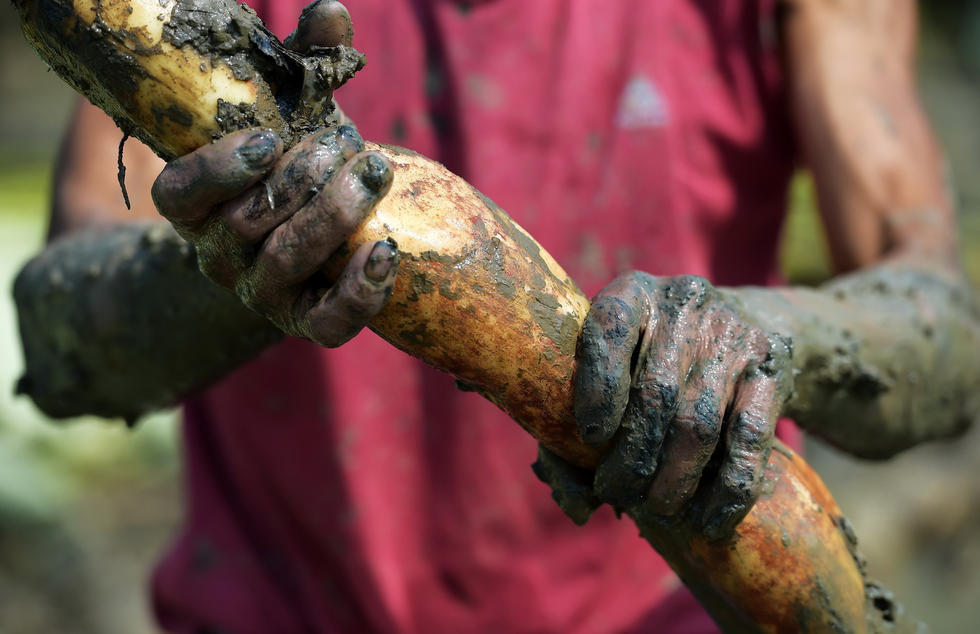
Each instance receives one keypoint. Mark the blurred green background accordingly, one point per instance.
(86, 507)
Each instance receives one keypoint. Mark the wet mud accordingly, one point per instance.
(93, 309)
(883, 359)
(303, 85)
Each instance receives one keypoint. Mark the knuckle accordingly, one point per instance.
(665, 394)
(641, 285)
(294, 182)
(739, 486)
(611, 317)
(741, 480)
(611, 307)
(686, 290)
(781, 347)
(354, 302)
(752, 432)
(345, 220)
(243, 216)
(635, 278)
(366, 300)
(702, 422)
(626, 472)
(659, 390)
(756, 347)
(759, 339)
(632, 284)
(723, 329)
(280, 255)
(644, 422)
(639, 472)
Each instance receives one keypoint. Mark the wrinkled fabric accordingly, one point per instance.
(355, 490)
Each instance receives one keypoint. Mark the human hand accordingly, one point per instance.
(263, 224)
(686, 391)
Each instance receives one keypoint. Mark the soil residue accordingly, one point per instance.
(119, 322)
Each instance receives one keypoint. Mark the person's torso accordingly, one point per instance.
(356, 489)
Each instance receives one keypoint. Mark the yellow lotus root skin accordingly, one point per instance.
(177, 98)
(119, 54)
(478, 297)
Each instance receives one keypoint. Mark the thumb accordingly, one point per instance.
(571, 486)
(324, 23)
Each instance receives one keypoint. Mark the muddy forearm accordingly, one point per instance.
(118, 321)
(884, 358)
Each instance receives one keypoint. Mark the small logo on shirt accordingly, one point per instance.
(642, 105)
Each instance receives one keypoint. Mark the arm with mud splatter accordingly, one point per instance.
(686, 381)
(887, 355)
(883, 359)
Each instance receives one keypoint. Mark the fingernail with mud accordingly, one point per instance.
(350, 135)
(260, 150)
(374, 173)
(342, 141)
(384, 257)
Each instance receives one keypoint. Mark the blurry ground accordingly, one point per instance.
(84, 509)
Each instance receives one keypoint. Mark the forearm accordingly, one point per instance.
(883, 359)
(118, 321)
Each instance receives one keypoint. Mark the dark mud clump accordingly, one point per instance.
(223, 35)
(232, 117)
(106, 66)
(232, 34)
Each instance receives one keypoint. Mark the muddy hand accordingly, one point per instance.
(323, 24)
(263, 224)
(686, 391)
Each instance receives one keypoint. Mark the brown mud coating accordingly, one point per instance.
(103, 55)
(477, 297)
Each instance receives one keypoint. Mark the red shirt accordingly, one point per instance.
(356, 489)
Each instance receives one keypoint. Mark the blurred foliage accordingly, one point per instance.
(803, 254)
(24, 188)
